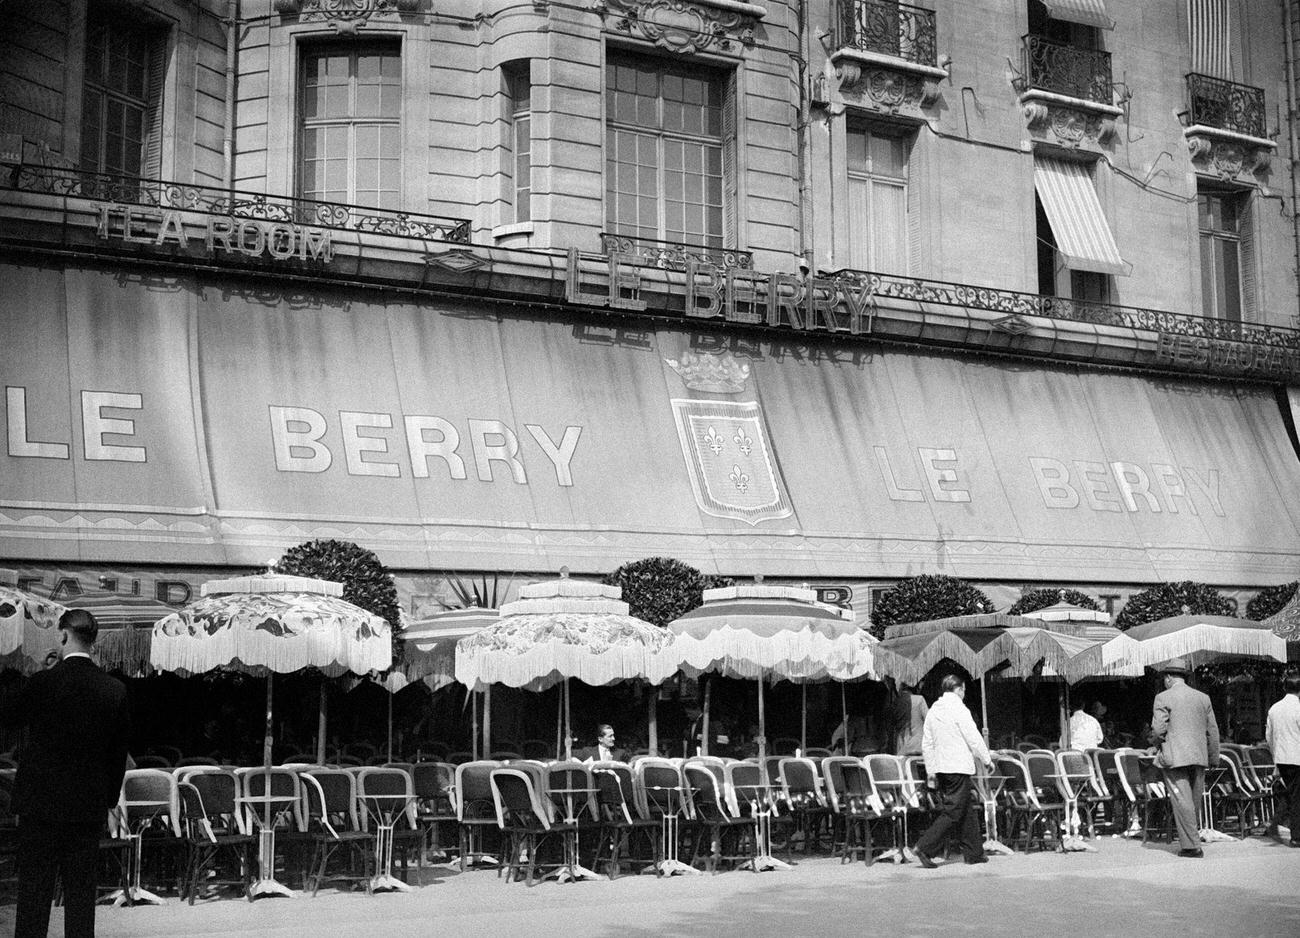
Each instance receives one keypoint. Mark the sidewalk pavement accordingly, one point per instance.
(1247, 889)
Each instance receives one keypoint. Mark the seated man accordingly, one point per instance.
(604, 750)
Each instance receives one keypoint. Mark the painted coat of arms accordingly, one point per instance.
(729, 459)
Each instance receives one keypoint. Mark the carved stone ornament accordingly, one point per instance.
(1068, 126)
(346, 16)
(685, 26)
(1227, 156)
(880, 88)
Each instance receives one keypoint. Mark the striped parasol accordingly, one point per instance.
(430, 643)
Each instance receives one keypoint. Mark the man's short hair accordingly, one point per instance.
(81, 624)
(951, 682)
(1291, 683)
(601, 727)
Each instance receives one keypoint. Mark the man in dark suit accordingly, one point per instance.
(68, 779)
(604, 750)
(1184, 729)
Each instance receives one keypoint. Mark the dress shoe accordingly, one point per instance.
(1194, 852)
(973, 860)
(924, 859)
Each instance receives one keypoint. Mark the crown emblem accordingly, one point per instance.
(720, 374)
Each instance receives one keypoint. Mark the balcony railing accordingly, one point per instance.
(671, 255)
(1067, 70)
(886, 28)
(1012, 303)
(1226, 105)
(214, 201)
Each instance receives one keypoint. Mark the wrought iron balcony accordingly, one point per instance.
(886, 28)
(1067, 70)
(671, 255)
(210, 200)
(1226, 105)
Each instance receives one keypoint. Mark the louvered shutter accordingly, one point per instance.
(1250, 298)
(730, 167)
(151, 165)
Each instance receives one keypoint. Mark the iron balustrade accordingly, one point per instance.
(1226, 105)
(888, 29)
(672, 255)
(211, 200)
(1067, 70)
(1012, 303)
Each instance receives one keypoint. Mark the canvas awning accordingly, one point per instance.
(1087, 12)
(1083, 236)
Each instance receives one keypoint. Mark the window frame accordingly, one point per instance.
(98, 94)
(383, 47)
(1217, 238)
(720, 80)
(870, 178)
(518, 81)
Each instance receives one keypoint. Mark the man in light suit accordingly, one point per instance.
(1184, 729)
(68, 779)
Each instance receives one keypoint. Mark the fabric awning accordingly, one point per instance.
(1208, 35)
(1083, 236)
(1087, 12)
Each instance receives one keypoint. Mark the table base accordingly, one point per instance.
(765, 862)
(998, 847)
(267, 886)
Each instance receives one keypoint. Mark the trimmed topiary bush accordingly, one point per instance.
(366, 582)
(1169, 599)
(1271, 601)
(1042, 598)
(660, 589)
(925, 597)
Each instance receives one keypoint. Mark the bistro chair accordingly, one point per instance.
(1074, 782)
(622, 821)
(667, 799)
(1234, 794)
(387, 799)
(278, 792)
(572, 792)
(1142, 790)
(717, 827)
(333, 826)
(214, 830)
(848, 795)
(152, 812)
(434, 784)
(801, 789)
(475, 812)
(524, 819)
(889, 786)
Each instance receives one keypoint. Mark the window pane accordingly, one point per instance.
(1231, 281)
(856, 146)
(1208, 287)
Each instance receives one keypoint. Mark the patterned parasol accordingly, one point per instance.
(1285, 623)
(561, 629)
(782, 632)
(29, 628)
(271, 623)
(1204, 640)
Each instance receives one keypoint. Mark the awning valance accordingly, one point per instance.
(1087, 12)
(1083, 236)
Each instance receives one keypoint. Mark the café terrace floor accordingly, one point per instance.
(1242, 889)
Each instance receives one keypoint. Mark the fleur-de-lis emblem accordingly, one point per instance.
(743, 441)
(714, 439)
(739, 479)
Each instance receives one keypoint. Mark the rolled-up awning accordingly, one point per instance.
(1087, 12)
(1083, 236)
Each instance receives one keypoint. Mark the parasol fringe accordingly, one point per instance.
(1199, 640)
(792, 654)
(125, 650)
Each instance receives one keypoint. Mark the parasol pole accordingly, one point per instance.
(559, 724)
(473, 729)
(652, 717)
(803, 722)
(762, 723)
(844, 712)
(321, 721)
(1063, 699)
(984, 706)
(704, 720)
(487, 722)
(390, 726)
(568, 730)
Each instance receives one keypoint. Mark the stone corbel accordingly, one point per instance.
(1226, 153)
(886, 82)
(1069, 122)
(685, 26)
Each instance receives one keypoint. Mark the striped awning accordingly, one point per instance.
(1083, 237)
(1208, 34)
(1087, 12)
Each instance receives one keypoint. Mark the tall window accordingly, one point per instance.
(121, 103)
(663, 151)
(1221, 253)
(520, 88)
(877, 172)
(350, 130)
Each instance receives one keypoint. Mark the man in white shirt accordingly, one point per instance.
(1283, 737)
(1085, 730)
(950, 744)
